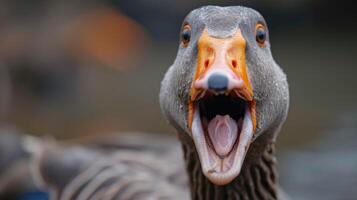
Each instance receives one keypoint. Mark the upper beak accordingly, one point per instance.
(221, 66)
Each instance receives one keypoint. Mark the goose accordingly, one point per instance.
(227, 99)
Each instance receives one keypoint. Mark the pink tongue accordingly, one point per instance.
(223, 133)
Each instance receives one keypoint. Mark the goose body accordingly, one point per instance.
(227, 99)
(140, 168)
(125, 166)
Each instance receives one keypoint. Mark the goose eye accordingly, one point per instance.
(186, 35)
(260, 35)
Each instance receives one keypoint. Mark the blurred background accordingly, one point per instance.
(81, 68)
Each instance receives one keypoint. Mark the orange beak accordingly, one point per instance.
(222, 58)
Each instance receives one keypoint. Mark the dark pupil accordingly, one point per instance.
(260, 35)
(186, 35)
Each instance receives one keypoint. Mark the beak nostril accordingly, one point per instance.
(206, 63)
(234, 63)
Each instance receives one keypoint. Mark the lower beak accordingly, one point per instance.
(218, 169)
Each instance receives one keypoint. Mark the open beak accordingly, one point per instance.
(221, 107)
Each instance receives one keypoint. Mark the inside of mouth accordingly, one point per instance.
(222, 120)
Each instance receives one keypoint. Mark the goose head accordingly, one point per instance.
(224, 89)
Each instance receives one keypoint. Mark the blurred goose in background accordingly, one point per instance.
(227, 99)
